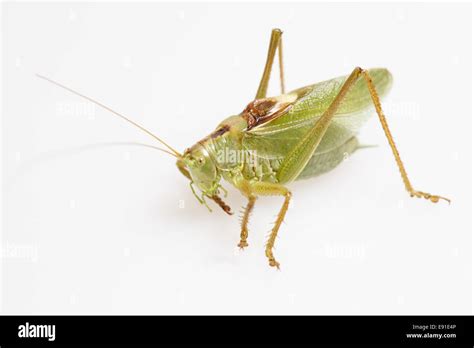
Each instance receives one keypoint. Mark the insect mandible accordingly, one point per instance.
(277, 140)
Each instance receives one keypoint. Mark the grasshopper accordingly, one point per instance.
(277, 140)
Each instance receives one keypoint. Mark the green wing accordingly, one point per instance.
(274, 139)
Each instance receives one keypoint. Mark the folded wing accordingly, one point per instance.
(275, 138)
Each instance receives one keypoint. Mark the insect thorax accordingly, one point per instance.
(224, 145)
(232, 159)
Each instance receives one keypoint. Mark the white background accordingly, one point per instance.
(93, 227)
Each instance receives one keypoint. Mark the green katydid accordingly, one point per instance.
(276, 140)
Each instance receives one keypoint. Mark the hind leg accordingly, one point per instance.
(275, 43)
(298, 157)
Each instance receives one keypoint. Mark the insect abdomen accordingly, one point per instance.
(261, 169)
(323, 162)
(265, 169)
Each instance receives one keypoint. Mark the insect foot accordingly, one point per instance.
(271, 259)
(432, 198)
(244, 233)
(243, 244)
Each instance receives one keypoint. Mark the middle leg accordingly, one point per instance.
(244, 233)
(268, 189)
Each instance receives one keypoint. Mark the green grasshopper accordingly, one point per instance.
(277, 140)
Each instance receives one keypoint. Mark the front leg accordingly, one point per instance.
(274, 189)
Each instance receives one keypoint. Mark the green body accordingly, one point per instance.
(257, 154)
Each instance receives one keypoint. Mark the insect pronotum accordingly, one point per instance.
(276, 140)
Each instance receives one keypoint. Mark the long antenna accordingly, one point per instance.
(176, 153)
